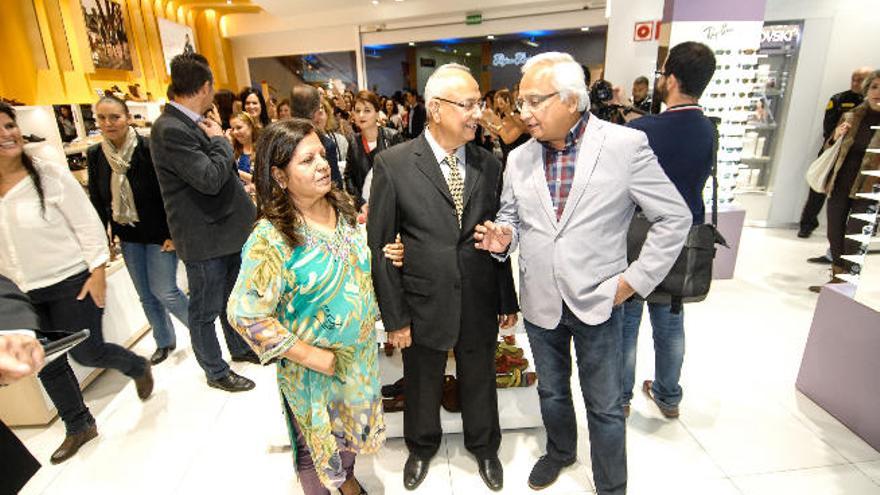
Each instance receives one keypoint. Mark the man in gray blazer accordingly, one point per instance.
(568, 198)
(209, 213)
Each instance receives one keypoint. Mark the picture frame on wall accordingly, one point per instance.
(176, 39)
(107, 34)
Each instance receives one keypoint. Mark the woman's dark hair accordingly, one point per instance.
(189, 72)
(394, 109)
(224, 99)
(505, 95)
(693, 65)
(264, 112)
(283, 103)
(275, 149)
(26, 160)
(111, 98)
(367, 96)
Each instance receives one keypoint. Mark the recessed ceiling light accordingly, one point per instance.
(454, 51)
(468, 54)
(585, 28)
(375, 2)
(228, 2)
(490, 37)
(412, 44)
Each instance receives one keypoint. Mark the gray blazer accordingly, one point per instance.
(209, 213)
(578, 260)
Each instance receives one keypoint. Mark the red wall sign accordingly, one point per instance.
(646, 31)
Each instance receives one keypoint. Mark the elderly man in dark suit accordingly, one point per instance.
(209, 213)
(434, 190)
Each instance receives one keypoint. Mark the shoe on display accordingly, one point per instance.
(491, 472)
(232, 382)
(72, 443)
(414, 471)
(31, 138)
(393, 390)
(161, 354)
(668, 412)
(144, 383)
(394, 404)
(450, 400)
(546, 471)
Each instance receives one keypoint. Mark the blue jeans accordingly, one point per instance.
(210, 283)
(598, 351)
(154, 274)
(668, 350)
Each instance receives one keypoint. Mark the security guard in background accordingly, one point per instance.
(838, 105)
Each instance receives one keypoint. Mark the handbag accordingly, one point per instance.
(690, 277)
(818, 171)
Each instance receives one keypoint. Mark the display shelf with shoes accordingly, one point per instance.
(518, 405)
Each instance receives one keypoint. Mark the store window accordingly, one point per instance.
(496, 63)
(285, 72)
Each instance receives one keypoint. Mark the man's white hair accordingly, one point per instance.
(568, 76)
(439, 80)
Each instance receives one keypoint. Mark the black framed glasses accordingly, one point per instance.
(466, 106)
(533, 101)
(658, 73)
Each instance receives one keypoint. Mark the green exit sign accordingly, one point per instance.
(474, 19)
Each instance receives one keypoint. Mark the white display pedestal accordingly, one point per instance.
(517, 407)
(25, 403)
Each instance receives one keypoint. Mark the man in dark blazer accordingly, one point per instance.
(305, 103)
(209, 213)
(434, 190)
(417, 116)
(20, 355)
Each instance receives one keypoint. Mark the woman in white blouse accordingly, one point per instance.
(52, 245)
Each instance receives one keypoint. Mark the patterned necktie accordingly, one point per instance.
(456, 185)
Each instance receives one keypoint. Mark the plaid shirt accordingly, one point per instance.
(559, 165)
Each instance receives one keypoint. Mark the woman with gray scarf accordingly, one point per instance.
(124, 189)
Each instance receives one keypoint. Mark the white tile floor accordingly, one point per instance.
(744, 428)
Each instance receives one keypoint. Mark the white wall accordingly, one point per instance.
(326, 39)
(626, 59)
(838, 37)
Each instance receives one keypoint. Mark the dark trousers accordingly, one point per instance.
(305, 465)
(210, 283)
(810, 215)
(423, 369)
(600, 371)
(840, 207)
(61, 314)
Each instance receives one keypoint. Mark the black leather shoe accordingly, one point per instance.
(249, 357)
(161, 354)
(804, 233)
(492, 473)
(232, 383)
(819, 260)
(71, 444)
(144, 383)
(414, 471)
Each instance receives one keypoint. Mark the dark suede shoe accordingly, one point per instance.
(491, 472)
(414, 471)
(248, 357)
(144, 383)
(546, 471)
(819, 260)
(71, 444)
(232, 383)
(161, 354)
(648, 390)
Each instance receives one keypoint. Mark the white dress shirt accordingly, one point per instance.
(441, 154)
(41, 249)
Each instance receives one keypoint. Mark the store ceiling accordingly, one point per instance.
(222, 7)
(393, 8)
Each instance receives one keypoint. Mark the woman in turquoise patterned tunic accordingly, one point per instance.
(304, 296)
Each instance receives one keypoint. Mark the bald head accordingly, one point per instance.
(304, 101)
(858, 77)
(452, 96)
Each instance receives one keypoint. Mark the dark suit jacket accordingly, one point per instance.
(332, 159)
(446, 285)
(152, 228)
(209, 213)
(418, 116)
(359, 162)
(18, 466)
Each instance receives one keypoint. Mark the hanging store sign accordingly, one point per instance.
(502, 60)
(775, 36)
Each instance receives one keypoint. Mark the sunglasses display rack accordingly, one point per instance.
(732, 96)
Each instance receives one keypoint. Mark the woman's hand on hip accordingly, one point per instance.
(95, 286)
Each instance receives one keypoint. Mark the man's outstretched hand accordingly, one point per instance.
(493, 238)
